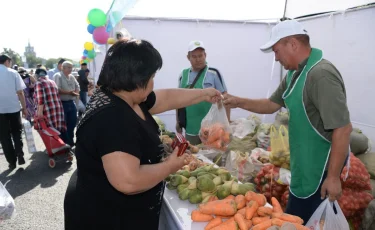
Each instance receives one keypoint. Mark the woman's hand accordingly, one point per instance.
(212, 95)
(175, 162)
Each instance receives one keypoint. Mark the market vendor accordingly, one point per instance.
(120, 159)
(314, 93)
(198, 76)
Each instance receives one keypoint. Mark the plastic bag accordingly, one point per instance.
(263, 136)
(7, 206)
(29, 136)
(240, 165)
(324, 218)
(215, 130)
(280, 153)
(243, 127)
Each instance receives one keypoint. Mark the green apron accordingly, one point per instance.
(309, 150)
(195, 113)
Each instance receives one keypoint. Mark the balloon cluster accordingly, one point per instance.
(96, 20)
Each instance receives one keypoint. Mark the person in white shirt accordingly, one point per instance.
(51, 73)
(11, 100)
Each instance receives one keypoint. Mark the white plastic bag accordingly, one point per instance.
(242, 127)
(7, 206)
(29, 136)
(324, 218)
(215, 130)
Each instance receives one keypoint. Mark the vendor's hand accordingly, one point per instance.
(212, 95)
(331, 188)
(178, 128)
(74, 93)
(230, 101)
(175, 162)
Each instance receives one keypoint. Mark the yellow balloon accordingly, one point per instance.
(111, 41)
(87, 20)
(89, 46)
(80, 62)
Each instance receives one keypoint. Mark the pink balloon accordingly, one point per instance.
(100, 35)
(83, 57)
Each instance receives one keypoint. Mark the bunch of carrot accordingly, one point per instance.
(244, 212)
(215, 136)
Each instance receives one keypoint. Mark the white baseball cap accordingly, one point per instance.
(283, 29)
(195, 45)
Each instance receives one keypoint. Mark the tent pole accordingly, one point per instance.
(286, 3)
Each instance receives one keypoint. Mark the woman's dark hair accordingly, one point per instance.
(129, 65)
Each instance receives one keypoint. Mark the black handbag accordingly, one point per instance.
(181, 113)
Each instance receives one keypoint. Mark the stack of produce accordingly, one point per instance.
(162, 127)
(215, 136)
(355, 197)
(266, 182)
(280, 152)
(263, 136)
(244, 212)
(206, 183)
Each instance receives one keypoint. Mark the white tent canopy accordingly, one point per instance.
(238, 9)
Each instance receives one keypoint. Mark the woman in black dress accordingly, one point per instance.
(120, 172)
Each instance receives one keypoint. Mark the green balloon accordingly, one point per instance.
(91, 54)
(97, 17)
(85, 61)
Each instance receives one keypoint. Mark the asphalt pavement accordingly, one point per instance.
(37, 189)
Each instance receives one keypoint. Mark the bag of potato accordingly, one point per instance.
(368, 159)
(245, 144)
(280, 153)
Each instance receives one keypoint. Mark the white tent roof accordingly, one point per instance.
(238, 9)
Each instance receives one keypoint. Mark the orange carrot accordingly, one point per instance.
(224, 217)
(287, 217)
(249, 223)
(261, 199)
(255, 215)
(230, 197)
(240, 221)
(263, 226)
(227, 225)
(219, 207)
(276, 205)
(240, 201)
(251, 209)
(242, 211)
(258, 220)
(250, 195)
(197, 216)
(279, 222)
(264, 211)
(213, 223)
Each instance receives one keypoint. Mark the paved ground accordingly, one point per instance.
(38, 190)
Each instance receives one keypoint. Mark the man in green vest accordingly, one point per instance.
(198, 76)
(314, 93)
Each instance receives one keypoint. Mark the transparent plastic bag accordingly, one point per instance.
(325, 218)
(280, 153)
(215, 130)
(7, 205)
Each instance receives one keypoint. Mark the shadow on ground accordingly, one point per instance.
(36, 172)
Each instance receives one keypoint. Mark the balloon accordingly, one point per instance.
(90, 28)
(111, 41)
(100, 35)
(91, 54)
(83, 57)
(85, 52)
(85, 61)
(97, 17)
(87, 20)
(81, 61)
(89, 46)
(88, 59)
